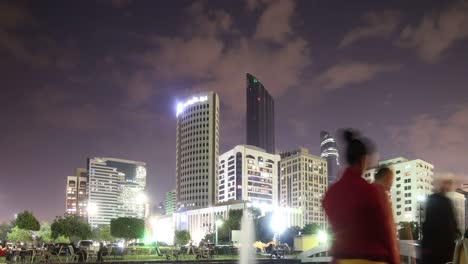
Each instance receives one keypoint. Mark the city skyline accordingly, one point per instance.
(106, 82)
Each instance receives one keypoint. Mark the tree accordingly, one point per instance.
(70, 226)
(4, 229)
(102, 233)
(408, 231)
(181, 237)
(26, 220)
(288, 235)
(263, 228)
(62, 239)
(18, 234)
(310, 229)
(127, 228)
(45, 233)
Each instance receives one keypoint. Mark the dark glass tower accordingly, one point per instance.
(260, 116)
(329, 151)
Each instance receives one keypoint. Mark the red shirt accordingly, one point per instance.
(357, 215)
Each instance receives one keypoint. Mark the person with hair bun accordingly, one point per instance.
(357, 211)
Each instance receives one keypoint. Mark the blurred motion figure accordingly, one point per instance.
(358, 212)
(439, 230)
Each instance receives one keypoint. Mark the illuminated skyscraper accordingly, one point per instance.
(77, 195)
(197, 151)
(170, 202)
(329, 151)
(116, 189)
(260, 116)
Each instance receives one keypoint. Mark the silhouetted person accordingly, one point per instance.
(356, 210)
(439, 230)
(383, 181)
(101, 252)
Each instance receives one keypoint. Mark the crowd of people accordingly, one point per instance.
(47, 250)
(361, 217)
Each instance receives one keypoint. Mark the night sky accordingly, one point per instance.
(81, 79)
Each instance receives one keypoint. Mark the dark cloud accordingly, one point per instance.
(345, 74)
(440, 140)
(377, 24)
(437, 31)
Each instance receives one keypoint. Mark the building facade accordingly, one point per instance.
(197, 151)
(170, 202)
(411, 185)
(76, 194)
(115, 189)
(303, 183)
(260, 116)
(329, 151)
(248, 173)
(200, 222)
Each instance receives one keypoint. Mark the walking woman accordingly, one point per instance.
(357, 212)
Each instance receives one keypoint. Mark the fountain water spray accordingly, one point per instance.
(247, 253)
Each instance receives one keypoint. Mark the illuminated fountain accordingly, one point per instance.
(247, 254)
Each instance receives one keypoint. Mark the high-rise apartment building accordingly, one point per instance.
(303, 183)
(77, 195)
(411, 185)
(329, 151)
(170, 202)
(197, 150)
(248, 173)
(115, 189)
(260, 116)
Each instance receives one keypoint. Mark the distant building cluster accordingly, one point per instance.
(208, 184)
(109, 188)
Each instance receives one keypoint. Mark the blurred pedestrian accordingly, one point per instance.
(439, 230)
(357, 212)
(383, 181)
(102, 252)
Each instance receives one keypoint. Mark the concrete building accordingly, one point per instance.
(200, 222)
(458, 201)
(248, 173)
(116, 189)
(412, 184)
(260, 115)
(76, 194)
(465, 195)
(303, 183)
(329, 151)
(197, 150)
(170, 202)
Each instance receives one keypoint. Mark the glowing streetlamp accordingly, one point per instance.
(278, 224)
(322, 236)
(141, 198)
(92, 209)
(218, 223)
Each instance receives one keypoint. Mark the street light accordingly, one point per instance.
(218, 223)
(421, 198)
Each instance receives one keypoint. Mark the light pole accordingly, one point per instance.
(218, 223)
(421, 198)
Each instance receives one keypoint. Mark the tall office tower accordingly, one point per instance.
(260, 116)
(116, 189)
(77, 196)
(197, 150)
(248, 173)
(411, 185)
(170, 202)
(304, 181)
(329, 151)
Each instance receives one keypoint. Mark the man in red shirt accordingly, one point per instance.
(357, 212)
